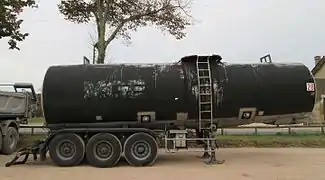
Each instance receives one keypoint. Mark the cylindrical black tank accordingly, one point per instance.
(116, 92)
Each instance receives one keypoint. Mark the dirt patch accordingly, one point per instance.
(241, 163)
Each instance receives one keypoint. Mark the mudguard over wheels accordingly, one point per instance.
(103, 150)
(10, 141)
(67, 149)
(140, 149)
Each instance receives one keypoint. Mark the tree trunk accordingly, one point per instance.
(101, 49)
(101, 28)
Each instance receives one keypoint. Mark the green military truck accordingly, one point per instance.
(15, 108)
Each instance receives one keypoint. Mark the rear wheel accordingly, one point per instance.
(67, 149)
(103, 150)
(10, 141)
(140, 149)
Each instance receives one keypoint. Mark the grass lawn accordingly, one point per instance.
(279, 140)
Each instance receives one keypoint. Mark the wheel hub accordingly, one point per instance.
(141, 150)
(103, 150)
(67, 149)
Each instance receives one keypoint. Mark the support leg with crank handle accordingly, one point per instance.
(206, 146)
(205, 154)
(214, 147)
(33, 149)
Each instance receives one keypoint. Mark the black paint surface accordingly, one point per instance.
(79, 93)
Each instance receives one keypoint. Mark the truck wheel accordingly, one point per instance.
(140, 149)
(103, 150)
(10, 141)
(67, 149)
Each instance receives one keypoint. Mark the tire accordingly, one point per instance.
(10, 141)
(71, 142)
(149, 146)
(100, 142)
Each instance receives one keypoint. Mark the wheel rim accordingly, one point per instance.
(141, 150)
(103, 150)
(66, 149)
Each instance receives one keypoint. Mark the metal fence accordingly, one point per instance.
(246, 130)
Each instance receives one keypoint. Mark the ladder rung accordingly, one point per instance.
(204, 77)
(203, 62)
(204, 85)
(206, 102)
(206, 111)
(204, 69)
(205, 94)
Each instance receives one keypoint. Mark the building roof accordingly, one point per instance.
(319, 65)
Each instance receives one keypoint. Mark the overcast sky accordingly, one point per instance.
(238, 30)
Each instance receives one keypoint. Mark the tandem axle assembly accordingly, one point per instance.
(173, 140)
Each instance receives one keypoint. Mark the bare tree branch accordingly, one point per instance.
(124, 16)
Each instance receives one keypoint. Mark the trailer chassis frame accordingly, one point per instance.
(39, 147)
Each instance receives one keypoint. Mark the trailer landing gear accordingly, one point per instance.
(205, 155)
(213, 160)
(34, 150)
(211, 146)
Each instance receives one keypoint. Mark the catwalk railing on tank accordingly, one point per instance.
(242, 130)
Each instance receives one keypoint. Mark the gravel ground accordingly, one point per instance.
(241, 163)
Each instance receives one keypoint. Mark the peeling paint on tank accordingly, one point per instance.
(192, 80)
(121, 71)
(100, 89)
(164, 67)
(114, 89)
(181, 74)
(195, 91)
(256, 69)
(224, 66)
(219, 84)
(159, 69)
(218, 91)
(293, 65)
(154, 76)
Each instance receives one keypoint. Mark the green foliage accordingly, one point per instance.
(125, 16)
(10, 22)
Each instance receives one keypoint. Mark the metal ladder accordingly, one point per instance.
(205, 92)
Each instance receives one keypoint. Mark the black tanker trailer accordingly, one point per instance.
(100, 112)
